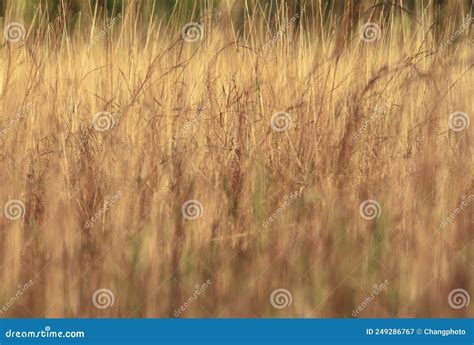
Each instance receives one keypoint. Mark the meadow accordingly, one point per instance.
(236, 159)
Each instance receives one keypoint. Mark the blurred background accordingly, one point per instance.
(193, 123)
(316, 10)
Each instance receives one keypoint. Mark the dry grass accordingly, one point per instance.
(192, 121)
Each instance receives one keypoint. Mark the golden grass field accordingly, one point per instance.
(90, 204)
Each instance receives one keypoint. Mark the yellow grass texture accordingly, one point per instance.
(275, 204)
